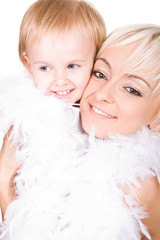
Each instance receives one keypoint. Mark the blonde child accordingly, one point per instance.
(57, 44)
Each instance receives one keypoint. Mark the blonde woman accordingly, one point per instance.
(122, 103)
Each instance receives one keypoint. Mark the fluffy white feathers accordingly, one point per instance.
(70, 188)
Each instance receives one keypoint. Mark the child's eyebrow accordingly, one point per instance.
(41, 62)
(138, 77)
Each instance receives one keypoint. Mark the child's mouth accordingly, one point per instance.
(63, 93)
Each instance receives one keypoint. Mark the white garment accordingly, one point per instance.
(69, 188)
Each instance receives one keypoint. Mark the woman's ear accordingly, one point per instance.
(27, 63)
(155, 125)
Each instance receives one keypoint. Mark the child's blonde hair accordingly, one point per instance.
(146, 56)
(60, 16)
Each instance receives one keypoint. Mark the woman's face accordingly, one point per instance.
(118, 100)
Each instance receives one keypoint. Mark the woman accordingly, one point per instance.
(118, 177)
(122, 96)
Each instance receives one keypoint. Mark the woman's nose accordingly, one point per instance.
(106, 93)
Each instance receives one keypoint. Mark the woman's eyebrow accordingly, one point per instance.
(128, 75)
(105, 61)
(138, 77)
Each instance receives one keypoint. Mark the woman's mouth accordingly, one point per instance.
(100, 113)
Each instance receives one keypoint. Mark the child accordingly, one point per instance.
(57, 44)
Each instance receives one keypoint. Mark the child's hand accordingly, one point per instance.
(8, 168)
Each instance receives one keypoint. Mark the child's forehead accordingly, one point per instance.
(73, 32)
(62, 45)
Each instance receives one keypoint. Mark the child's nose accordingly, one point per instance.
(60, 79)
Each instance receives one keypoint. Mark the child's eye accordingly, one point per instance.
(132, 91)
(45, 68)
(100, 75)
(72, 66)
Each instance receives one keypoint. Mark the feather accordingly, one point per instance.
(69, 184)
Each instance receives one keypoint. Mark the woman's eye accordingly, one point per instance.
(99, 75)
(72, 66)
(133, 91)
(45, 68)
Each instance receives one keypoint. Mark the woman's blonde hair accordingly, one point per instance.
(60, 16)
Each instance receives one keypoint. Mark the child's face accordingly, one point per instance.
(117, 100)
(61, 64)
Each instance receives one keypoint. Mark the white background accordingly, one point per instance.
(115, 12)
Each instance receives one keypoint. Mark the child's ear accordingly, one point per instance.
(155, 125)
(27, 63)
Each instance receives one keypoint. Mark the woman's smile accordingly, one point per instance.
(100, 113)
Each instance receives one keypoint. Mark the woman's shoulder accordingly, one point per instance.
(147, 193)
(148, 197)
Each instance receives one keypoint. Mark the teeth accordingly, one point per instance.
(62, 93)
(101, 113)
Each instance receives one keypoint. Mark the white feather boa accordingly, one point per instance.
(68, 187)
